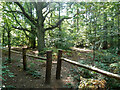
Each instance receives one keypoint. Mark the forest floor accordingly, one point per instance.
(35, 77)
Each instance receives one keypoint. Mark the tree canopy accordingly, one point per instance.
(46, 24)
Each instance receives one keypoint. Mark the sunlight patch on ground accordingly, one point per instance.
(36, 52)
(78, 49)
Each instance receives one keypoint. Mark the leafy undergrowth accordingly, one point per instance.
(6, 73)
(104, 60)
(35, 74)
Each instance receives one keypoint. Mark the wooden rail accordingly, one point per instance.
(60, 59)
(48, 62)
(13, 51)
(42, 58)
(106, 73)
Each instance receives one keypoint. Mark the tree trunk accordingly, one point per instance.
(32, 39)
(94, 40)
(32, 42)
(40, 28)
(118, 31)
(3, 37)
(111, 40)
(40, 36)
(105, 31)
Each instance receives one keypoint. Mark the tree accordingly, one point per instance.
(38, 20)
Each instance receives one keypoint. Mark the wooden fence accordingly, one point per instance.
(48, 60)
(59, 63)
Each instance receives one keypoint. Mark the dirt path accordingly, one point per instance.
(23, 79)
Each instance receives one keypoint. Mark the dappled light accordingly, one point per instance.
(54, 45)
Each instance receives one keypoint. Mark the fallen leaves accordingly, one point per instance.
(91, 83)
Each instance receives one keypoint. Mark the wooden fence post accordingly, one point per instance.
(58, 70)
(24, 59)
(48, 67)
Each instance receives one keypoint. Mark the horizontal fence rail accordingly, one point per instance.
(106, 73)
(42, 58)
(29, 55)
(13, 51)
(16, 52)
(60, 59)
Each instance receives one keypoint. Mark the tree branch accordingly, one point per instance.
(26, 34)
(26, 15)
(20, 28)
(14, 15)
(46, 4)
(14, 11)
(23, 30)
(57, 24)
(16, 19)
(48, 13)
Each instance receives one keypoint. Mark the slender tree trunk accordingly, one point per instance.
(94, 45)
(111, 40)
(118, 31)
(105, 43)
(77, 19)
(86, 25)
(3, 36)
(59, 17)
(90, 24)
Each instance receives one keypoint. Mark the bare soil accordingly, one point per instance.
(22, 79)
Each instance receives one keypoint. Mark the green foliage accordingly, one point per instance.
(95, 22)
(7, 60)
(106, 57)
(115, 67)
(39, 60)
(6, 72)
(104, 60)
(61, 40)
(94, 25)
(8, 87)
(32, 65)
(34, 73)
(112, 83)
(43, 52)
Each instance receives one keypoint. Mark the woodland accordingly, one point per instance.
(81, 39)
